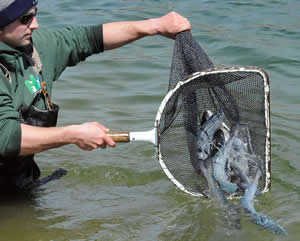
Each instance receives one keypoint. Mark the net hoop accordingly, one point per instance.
(190, 78)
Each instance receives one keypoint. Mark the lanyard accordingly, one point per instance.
(45, 93)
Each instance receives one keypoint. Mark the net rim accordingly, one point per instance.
(209, 71)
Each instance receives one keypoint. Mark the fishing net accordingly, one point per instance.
(239, 94)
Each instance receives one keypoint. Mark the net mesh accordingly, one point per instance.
(240, 95)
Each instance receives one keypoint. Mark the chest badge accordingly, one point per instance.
(33, 84)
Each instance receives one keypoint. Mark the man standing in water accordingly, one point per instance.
(30, 61)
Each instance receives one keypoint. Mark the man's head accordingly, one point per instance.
(17, 21)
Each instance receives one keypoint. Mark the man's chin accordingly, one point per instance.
(25, 43)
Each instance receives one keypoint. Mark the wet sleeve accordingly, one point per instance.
(10, 127)
(68, 46)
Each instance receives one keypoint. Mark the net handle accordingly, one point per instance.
(119, 136)
(148, 136)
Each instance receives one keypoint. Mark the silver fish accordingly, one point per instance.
(220, 161)
(216, 193)
(259, 218)
(233, 158)
(205, 134)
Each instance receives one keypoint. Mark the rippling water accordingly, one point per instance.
(122, 194)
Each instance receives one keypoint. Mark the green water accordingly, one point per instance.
(122, 193)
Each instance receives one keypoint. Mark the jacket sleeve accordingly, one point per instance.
(10, 128)
(68, 46)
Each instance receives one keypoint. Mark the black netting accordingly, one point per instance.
(240, 95)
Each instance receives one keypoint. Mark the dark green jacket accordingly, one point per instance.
(57, 50)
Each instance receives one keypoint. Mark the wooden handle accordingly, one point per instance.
(119, 136)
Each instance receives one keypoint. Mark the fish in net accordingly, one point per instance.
(239, 95)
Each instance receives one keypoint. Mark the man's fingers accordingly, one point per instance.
(109, 141)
